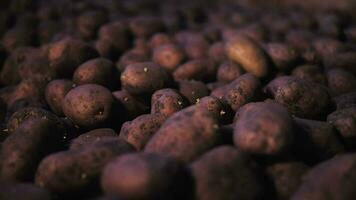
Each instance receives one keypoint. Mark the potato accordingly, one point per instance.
(228, 71)
(75, 172)
(310, 73)
(193, 90)
(47, 29)
(340, 81)
(287, 177)
(264, 128)
(185, 135)
(89, 105)
(133, 106)
(145, 26)
(316, 141)
(144, 78)
(146, 176)
(168, 56)
(249, 54)
(332, 179)
(138, 131)
(130, 57)
(91, 137)
(345, 100)
(98, 71)
(344, 122)
(26, 102)
(23, 149)
(299, 39)
(55, 93)
(216, 52)
(344, 60)
(202, 69)
(23, 191)
(89, 22)
(283, 56)
(219, 109)
(160, 39)
(67, 54)
(18, 36)
(302, 98)
(226, 173)
(327, 46)
(167, 102)
(36, 66)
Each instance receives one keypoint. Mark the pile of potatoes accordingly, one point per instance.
(168, 100)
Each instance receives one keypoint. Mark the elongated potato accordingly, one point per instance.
(91, 137)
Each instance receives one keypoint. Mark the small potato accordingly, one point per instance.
(67, 54)
(249, 54)
(343, 60)
(138, 131)
(316, 141)
(36, 66)
(89, 106)
(76, 172)
(132, 105)
(226, 173)
(299, 39)
(160, 39)
(91, 137)
(283, 56)
(167, 102)
(23, 149)
(229, 71)
(332, 179)
(264, 128)
(168, 56)
(310, 73)
(145, 26)
(287, 177)
(344, 121)
(327, 46)
(130, 57)
(216, 52)
(89, 22)
(193, 90)
(144, 78)
(202, 69)
(345, 100)
(99, 71)
(147, 176)
(26, 102)
(340, 81)
(185, 135)
(55, 93)
(218, 108)
(23, 191)
(302, 98)
(18, 36)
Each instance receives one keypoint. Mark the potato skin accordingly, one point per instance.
(144, 78)
(91, 137)
(283, 56)
(264, 128)
(218, 108)
(146, 176)
(249, 54)
(310, 73)
(138, 131)
(229, 71)
(345, 100)
(167, 102)
(23, 191)
(226, 173)
(193, 90)
(340, 81)
(168, 56)
(55, 93)
(75, 172)
(332, 179)
(22, 151)
(198, 69)
(89, 105)
(132, 105)
(185, 135)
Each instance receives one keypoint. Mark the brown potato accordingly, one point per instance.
(160, 39)
(283, 56)
(132, 105)
(310, 73)
(216, 52)
(89, 22)
(345, 100)
(145, 26)
(229, 71)
(55, 93)
(193, 90)
(130, 57)
(264, 128)
(340, 81)
(91, 137)
(219, 109)
(168, 56)
(18, 36)
(226, 173)
(167, 102)
(202, 69)
(147, 176)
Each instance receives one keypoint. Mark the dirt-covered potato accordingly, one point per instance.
(332, 179)
(283, 56)
(218, 108)
(194, 43)
(312, 73)
(32, 87)
(147, 176)
(91, 137)
(340, 81)
(23, 149)
(160, 39)
(344, 121)
(248, 53)
(327, 46)
(55, 92)
(99, 71)
(199, 69)
(264, 128)
(168, 56)
(138, 131)
(185, 135)
(345, 100)
(132, 105)
(228, 71)
(89, 22)
(23, 191)
(167, 102)
(316, 140)
(89, 105)
(76, 172)
(193, 90)
(67, 54)
(302, 98)
(344, 60)
(24, 103)
(216, 52)
(35, 66)
(130, 57)
(226, 173)
(144, 78)
(286, 177)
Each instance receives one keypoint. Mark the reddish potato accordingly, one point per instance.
(91, 137)
(168, 56)
(202, 69)
(310, 73)
(55, 93)
(193, 90)
(340, 81)
(167, 102)
(229, 71)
